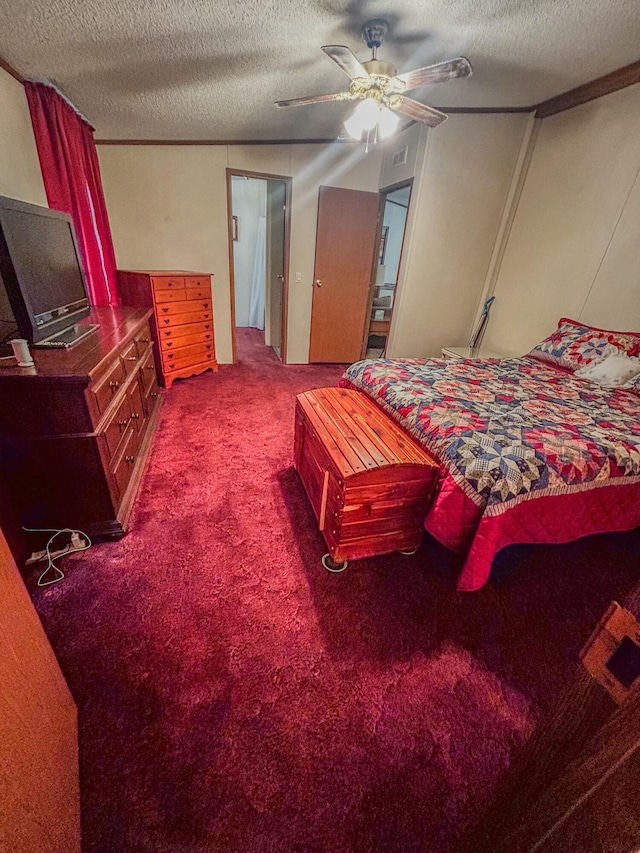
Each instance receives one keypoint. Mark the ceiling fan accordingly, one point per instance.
(379, 90)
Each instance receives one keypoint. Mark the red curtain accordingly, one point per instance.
(71, 174)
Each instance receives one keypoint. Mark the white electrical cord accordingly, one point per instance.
(78, 539)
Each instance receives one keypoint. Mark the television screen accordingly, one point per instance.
(41, 269)
(44, 258)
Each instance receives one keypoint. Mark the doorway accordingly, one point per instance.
(258, 217)
(394, 208)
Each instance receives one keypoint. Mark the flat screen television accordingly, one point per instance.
(42, 273)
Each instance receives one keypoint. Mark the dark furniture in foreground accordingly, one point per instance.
(76, 429)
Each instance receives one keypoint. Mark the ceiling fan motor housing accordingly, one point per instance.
(374, 31)
(379, 68)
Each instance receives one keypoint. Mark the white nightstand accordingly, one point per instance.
(457, 353)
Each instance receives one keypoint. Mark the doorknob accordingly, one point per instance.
(318, 283)
(281, 277)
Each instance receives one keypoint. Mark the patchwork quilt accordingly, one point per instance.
(528, 452)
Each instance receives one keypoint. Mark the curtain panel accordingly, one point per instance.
(71, 174)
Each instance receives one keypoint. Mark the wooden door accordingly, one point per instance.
(39, 787)
(574, 786)
(345, 245)
(276, 197)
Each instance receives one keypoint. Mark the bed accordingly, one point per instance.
(529, 451)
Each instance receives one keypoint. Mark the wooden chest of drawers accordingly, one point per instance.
(369, 484)
(182, 325)
(77, 427)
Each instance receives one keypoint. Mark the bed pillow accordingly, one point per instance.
(614, 371)
(574, 345)
(633, 384)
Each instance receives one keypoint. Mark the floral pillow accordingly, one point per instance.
(575, 345)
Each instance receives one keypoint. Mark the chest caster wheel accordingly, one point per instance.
(331, 565)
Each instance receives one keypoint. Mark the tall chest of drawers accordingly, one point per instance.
(76, 428)
(182, 324)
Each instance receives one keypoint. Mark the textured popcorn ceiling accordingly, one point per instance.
(188, 69)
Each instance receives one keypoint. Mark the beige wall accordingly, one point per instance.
(168, 209)
(20, 175)
(574, 247)
(459, 194)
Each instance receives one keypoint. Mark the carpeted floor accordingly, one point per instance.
(235, 697)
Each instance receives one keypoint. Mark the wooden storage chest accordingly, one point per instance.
(369, 484)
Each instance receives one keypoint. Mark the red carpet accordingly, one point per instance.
(235, 697)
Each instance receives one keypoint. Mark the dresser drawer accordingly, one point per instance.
(138, 413)
(125, 463)
(117, 427)
(148, 373)
(143, 339)
(198, 281)
(130, 358)
(198, 292)
(107, 386)
(186, 356)
(172, 332)
(186, 336)
(162, 296)
(166, 283)
(187, 307)
(173, 320)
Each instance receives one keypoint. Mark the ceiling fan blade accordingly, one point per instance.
(346, 59)
(312, 99)
(438, 73)
(417, 111)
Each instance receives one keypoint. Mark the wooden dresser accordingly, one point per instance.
(182, 318)
(77, 427)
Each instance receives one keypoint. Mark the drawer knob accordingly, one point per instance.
(149, 367)
(207, 336)
(145, 341)
(130, 459)
(153, 394)
(132, 358)
(166, 321)
(165, 310)
(205, 304)
(170, 344)
(136, 416)
(123, 423)
(114, 384)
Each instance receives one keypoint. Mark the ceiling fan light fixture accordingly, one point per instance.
(364, 118)
(388, 123)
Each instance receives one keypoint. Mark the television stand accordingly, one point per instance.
(76, 429)
(68, 337)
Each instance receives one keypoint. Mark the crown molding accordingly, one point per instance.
(12, 71)
(598, 88)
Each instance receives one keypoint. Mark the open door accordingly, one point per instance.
(345, 243)
(276, 207)
(39, 787)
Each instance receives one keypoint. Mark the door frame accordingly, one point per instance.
(288, 182)
(383, 192)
